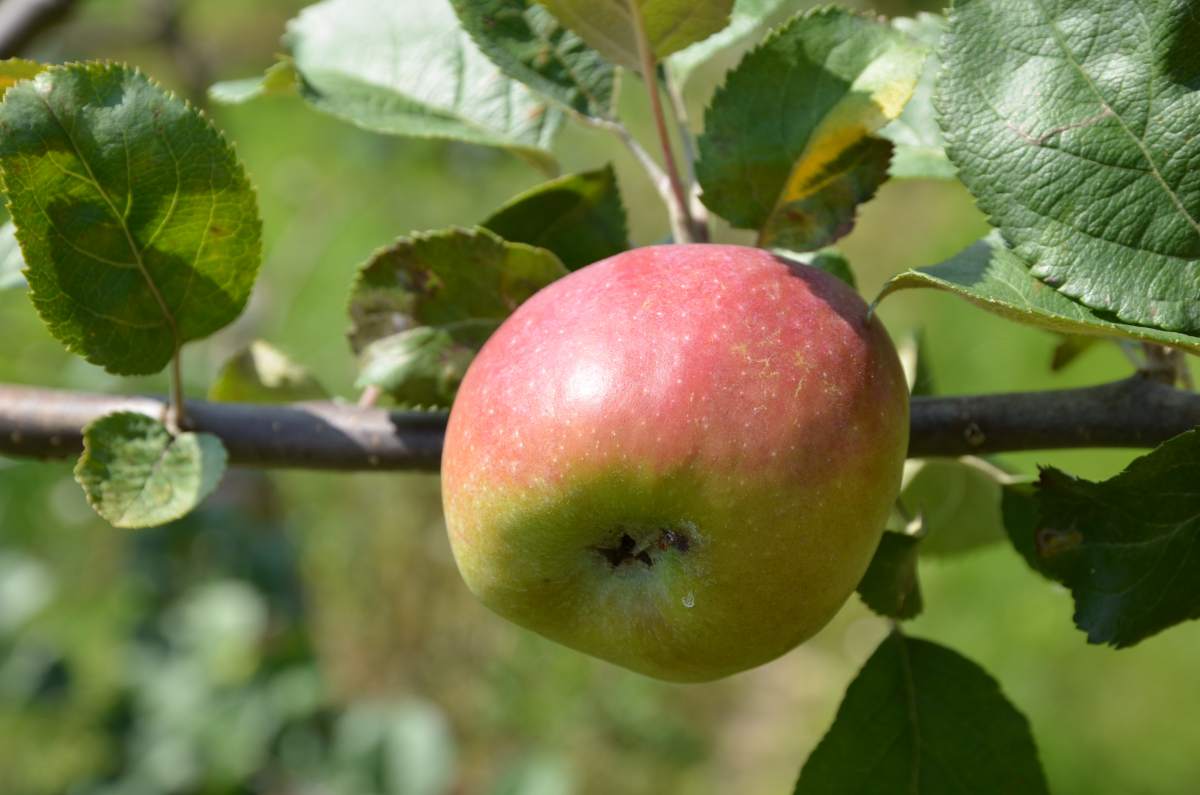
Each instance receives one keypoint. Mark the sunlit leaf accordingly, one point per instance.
(138, 226)
(1076, 125)
(992, 277)
(136, 473)
(789, 146)
(408, 68)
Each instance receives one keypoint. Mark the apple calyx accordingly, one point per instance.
(628, 551)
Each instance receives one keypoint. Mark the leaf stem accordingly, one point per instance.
(370, 396)
(682, 224)
(690, 156)
(178, 419)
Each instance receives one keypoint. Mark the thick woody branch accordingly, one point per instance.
(1137, 412)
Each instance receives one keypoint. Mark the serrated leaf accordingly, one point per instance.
(423, 365)
(463, 282)
(407, 68)
(924, 720)
(746, 19)
(529, 45)
(1076, 124)
(920, 149)
(278, 80)
(11, 261)
(890, 587)
(990, 276)
(670, 25)
(261, 373)
(956, 501)
(138, 227)
(137, 474)
(817, 90)
(1127, 548)
(14, 70)
(579, 217)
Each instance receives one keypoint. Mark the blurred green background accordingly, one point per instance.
(308, 633)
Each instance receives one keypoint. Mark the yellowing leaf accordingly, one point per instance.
(789, 147)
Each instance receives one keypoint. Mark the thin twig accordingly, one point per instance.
(679, 110)
(177, 417)
(1138, 412)
(682, 223)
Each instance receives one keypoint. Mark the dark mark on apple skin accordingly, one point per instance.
(626, 549)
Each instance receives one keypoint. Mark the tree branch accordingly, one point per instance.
(22, 20)
(1136, 412)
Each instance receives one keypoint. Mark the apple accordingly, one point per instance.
(679, 459)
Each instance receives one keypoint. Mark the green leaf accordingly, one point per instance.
(406, 67)
(990, 276)
(922, 719)
(279, 80)
(579, 217)
(11, 261)
(137, 474)
(424, 365)
(670, 25)
(1077, 127)
(1128, 548)
(890, 587)
(788, 147)
(746, 19)
(956, 501)
(14, 70)
(920, 149)
(261, 373)
(139, 229)
(462, 282)
(529, 45)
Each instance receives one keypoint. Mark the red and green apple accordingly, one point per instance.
(679, 459)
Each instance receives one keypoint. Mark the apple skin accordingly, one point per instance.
(679, 459)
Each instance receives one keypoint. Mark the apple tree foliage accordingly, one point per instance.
(135, 231)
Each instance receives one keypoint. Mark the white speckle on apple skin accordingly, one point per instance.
(689, 600)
